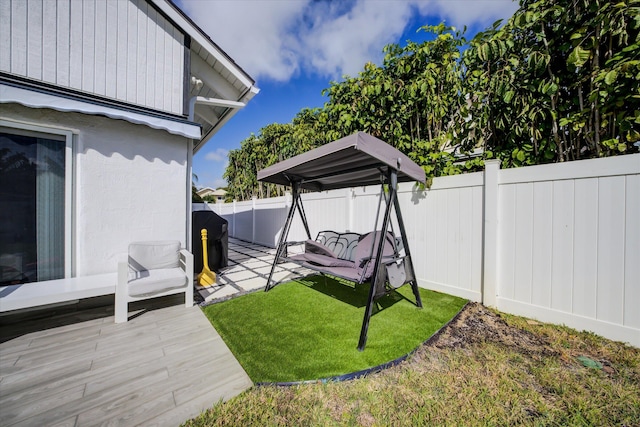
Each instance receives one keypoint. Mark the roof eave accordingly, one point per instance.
(230, 112)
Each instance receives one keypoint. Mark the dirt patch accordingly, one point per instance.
(476, 325)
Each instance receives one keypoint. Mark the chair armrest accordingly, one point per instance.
(186, 262)
(123, 274)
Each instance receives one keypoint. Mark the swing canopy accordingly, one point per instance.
(353, 161)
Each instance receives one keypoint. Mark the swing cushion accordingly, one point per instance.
(314, 247)
(318, 256)
(363, 252)
(327, 261)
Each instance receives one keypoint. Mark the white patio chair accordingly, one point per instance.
(153, 269)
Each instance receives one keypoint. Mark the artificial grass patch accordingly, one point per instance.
(309, 329)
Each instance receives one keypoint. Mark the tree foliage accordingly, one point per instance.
(557, 82)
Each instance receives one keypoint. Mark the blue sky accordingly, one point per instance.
(294, 48)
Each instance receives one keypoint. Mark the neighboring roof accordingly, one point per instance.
(204, 191)
(354, 161)
(208, 191)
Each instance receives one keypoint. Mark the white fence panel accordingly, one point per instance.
(562, 248)
(444, 228)
(226, 212)
(270, 215)
(364, 207)
(324, 211)
(632, 249)
(568, 244)
(243, 220)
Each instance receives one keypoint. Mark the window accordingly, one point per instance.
(35, 186)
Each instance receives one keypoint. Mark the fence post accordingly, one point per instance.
(233, 215)
(287, 205)
(490, 233)
(253, 219)
(350, 195)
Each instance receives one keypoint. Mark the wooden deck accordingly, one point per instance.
(76, 367)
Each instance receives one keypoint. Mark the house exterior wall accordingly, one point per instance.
(128, 180)
(123, 50)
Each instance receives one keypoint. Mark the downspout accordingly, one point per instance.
(188, 241)
(192, 106)
(230, 105)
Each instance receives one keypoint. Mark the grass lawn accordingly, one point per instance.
(309, 329)
(485, 369)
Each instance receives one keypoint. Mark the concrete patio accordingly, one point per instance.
(73, 366)
(248, 270)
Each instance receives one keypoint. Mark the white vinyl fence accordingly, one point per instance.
(559, 243)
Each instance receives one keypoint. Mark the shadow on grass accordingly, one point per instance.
(351, 293)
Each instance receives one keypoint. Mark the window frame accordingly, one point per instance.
(26, 128)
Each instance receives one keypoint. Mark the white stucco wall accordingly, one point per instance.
(130, 183)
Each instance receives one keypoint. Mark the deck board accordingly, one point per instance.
(164, 366)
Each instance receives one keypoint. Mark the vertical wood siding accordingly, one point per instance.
(123, 50)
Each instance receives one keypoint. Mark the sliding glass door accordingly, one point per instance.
(32, 206)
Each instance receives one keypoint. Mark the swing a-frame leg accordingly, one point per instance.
(378, 272)
(282, 241)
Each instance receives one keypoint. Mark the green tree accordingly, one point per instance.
(195, 197)
(558, 82)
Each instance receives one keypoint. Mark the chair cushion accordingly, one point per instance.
(363, 251)
(327, 261)
(153, 255)
(311, 246)
(150, 282)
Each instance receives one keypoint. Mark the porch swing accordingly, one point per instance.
(378, 257)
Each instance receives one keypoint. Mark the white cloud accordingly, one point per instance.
(343, 45)
(210, 175)
(276, 39)
(469, 12)
(258, 35)
(219, 155)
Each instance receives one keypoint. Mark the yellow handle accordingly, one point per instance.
(205, 255)
(207, 277)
